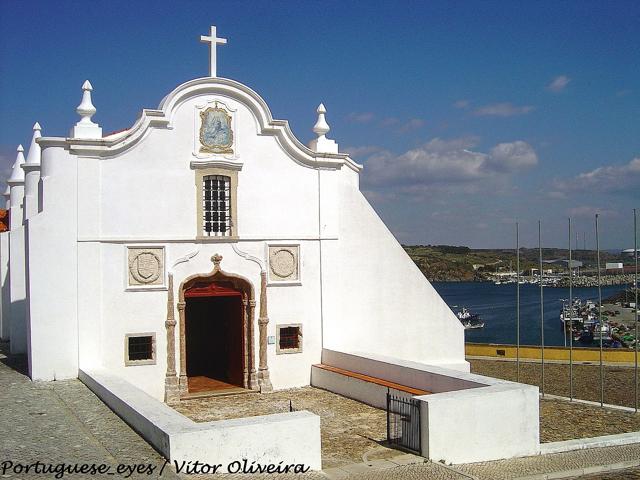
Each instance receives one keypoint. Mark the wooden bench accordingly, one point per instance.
(377, 381)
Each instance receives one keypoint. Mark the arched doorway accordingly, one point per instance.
(216, 333)
(215, 337)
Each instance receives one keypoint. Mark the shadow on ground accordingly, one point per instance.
(15, 362)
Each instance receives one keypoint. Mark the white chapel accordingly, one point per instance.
(205, 248)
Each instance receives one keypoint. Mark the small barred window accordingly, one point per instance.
(289, 338)
(216, 206)
(140, 349)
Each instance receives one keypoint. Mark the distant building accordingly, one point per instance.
(574, 263)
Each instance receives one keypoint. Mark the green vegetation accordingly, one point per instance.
(447, 263)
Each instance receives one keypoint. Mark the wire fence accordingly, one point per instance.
(571, 316)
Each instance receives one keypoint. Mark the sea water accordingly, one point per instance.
(496, 305)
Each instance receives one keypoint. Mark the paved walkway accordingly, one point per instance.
(64, 423)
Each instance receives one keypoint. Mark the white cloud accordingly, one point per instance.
(610, 179)
(360, 117)
(389, 121)
(586, 211)
(461, 104)
(362, 151)
(509, 157)
(505, 109)
(441, 164)
(555, 194)
(412, 124)
(559, 83)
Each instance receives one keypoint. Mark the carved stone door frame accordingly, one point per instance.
(248, 315)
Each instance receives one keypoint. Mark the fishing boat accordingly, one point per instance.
(472, 324)
(469, 320)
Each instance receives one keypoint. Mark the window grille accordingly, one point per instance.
(216, 206)
(289, 338)
(140, 348)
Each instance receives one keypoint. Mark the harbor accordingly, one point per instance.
(561, 280)
(495, 306)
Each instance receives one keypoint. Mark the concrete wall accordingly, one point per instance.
(580, 354)
(467, 418)
(481, 424)
(410, 374)
(361, 390)
(291, 438)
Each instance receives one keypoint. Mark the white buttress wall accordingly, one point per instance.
(17, 281)
(382, 303)
(53, 266)
(5, 313)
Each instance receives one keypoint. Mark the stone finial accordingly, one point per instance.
(34, 149)
(322, 144)
(17, 173)
(321, 128)
(216, 259)
(85, 128)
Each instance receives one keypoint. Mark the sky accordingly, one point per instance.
(467, 115)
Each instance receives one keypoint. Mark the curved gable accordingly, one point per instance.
(162, 117)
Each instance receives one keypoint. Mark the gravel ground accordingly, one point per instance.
(619, 384)
(352, 432)
(628, 474)
(561, 420)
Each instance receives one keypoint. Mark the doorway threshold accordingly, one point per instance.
(203, 386)
(217, 393)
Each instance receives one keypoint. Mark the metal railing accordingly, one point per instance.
(403, 422)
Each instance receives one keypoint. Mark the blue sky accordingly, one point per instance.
(466, 115)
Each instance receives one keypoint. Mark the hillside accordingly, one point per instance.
(446, 263)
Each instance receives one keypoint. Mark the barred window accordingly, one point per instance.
(216, 206)
(140, 349)
(289, 338)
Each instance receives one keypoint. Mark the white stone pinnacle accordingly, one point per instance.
(85, 128)
(86, 109)
(321, 128)
(17, 173)
(213, 42)
(322, 144)
(34, 149)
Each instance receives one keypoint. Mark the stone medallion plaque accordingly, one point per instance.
(216, 133)
(146, 266)
(284, 263)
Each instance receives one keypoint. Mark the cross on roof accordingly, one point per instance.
(213, 42)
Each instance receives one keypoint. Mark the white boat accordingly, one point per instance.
(469, 320)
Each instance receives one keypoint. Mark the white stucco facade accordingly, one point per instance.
(5, 297)
(93, 199)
